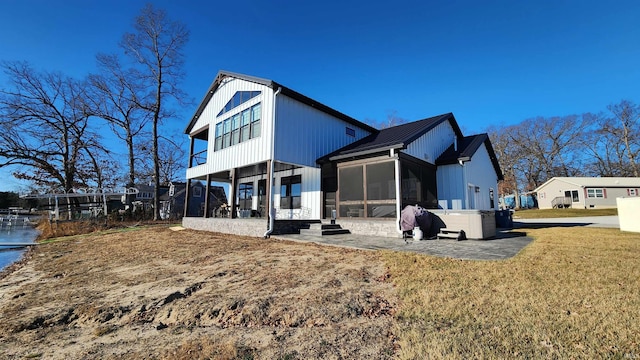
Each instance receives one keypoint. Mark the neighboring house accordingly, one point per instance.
(172, 201)
(585, 192)
(143, 200)
(145, 193)
(276, 146)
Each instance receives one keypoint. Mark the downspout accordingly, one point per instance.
(272, 209)
(398, 193)
(466, 185)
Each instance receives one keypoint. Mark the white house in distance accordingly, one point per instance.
(281, 150)
(586, 192)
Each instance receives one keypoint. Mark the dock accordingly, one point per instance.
(16, 244)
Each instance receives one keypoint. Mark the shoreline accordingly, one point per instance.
(20, 238)
(27, 255)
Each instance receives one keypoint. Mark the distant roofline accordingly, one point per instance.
(583, 181)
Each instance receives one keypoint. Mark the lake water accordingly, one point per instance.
(18, 234)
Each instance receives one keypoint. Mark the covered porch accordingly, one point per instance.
(296, 192)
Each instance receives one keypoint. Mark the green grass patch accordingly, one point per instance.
(572, 293)
(556, 213)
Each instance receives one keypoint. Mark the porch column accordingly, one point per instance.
(187, 196)
(207, 189)
(232, 192)
(191, 139)
(398, 174)
(268, 188)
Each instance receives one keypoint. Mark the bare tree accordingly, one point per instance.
(392, 120)
(101, 170)
(156, 46)
(45, 126)
(172, 159)
(113, 97)
(603, 151)
(508, 156)
(546, 147)
(625, 127)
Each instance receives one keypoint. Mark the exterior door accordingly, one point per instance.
(262, 198)
(571, 196)
(245, 195)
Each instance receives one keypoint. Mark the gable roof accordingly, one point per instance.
(595, 181)
(467, 147)
(397, 137)
(222, 75)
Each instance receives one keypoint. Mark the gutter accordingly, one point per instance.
(464, 181)
(272, 209)
(367, 152)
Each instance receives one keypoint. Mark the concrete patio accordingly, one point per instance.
(505, 245)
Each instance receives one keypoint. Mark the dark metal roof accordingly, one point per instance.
(274, 85)
(467, 147)
(397, 137)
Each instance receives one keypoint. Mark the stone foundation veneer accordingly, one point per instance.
(477, 224)
(246, 227)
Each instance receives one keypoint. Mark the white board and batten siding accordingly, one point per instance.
(449, 180)
(311, 201)
(304, 134)
(310, 196)
(431, 145)
(454, 182)
(246, 153)
(481, 173)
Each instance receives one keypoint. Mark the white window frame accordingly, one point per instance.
(595, 193)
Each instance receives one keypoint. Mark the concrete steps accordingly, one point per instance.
(324, 230)
(451, 234)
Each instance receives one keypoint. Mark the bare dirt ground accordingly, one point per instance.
(157, 293)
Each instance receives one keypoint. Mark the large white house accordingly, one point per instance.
(286, 154)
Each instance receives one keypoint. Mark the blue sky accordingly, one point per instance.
(488, 62)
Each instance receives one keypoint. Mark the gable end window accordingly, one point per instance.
(595, 193)
(290, 192)
(238, 128)
(349, 131)
(239, 98)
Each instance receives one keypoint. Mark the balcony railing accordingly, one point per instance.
(199, 158)
(561, 202)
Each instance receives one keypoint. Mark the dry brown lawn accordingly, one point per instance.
(158, 293)
(558, 213)
(155, 293)
(572, 293)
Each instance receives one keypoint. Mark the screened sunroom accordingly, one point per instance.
(371, 187)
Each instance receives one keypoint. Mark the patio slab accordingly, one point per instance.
(505, 245)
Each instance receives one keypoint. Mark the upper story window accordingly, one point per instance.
(239, 98)
(595, 193)
(240, 127)
(349, 131)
